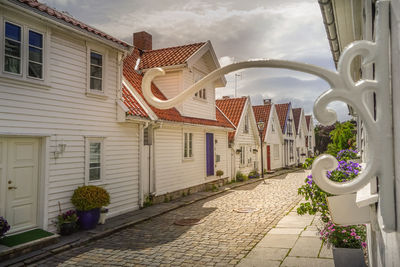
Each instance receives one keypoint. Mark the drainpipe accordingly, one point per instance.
(157, 126)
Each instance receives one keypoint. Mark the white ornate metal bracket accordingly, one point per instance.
(380, 157)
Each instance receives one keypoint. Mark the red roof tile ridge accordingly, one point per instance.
(174, 47)
(70, 19)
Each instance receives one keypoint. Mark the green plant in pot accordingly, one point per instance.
(67, 222)
(219, 173)
(4, 226)
(88, 200)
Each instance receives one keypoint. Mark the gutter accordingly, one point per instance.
(330, 28)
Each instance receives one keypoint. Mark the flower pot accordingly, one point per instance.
(88, 219)
(344, 257)
(67, 228)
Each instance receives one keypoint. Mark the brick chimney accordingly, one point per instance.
(267, 101)
(143, 40)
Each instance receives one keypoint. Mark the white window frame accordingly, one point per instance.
(246, 124)
(23, 77)
(186, 144)
(242, 155)
(89, 140)
(104, 53)
(272, 125)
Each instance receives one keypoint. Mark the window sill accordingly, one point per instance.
(18, 80)
(97, 183)
(188, 159)
(96, 95)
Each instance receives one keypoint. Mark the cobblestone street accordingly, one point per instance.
(222, 238)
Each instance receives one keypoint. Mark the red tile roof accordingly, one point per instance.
(170, 56)
(232, 108)
(308, 120)
(296, 118)
(262, 114)
(282, 110)
(48, 11)
(171, 114)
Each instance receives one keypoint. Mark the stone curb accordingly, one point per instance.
(107, 232)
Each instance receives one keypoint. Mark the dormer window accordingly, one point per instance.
(246, 124)
(201, 94)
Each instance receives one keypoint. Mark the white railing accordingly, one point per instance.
(380, 157)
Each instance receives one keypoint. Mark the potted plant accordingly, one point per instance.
(4, 226)
(254, 174)
(103, 215)
(67, 222)
(348, 242)
(219, 173)
(88, 200)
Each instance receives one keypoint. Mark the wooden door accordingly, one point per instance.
(21, 183)
(268, 158)
(210, 154)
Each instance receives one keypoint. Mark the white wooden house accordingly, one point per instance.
(245, 140)
(183, 147)
(310, 138)
(285, 116)
(60, 82)
(272, 135)
(301, 135)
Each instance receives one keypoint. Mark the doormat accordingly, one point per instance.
(25, 237)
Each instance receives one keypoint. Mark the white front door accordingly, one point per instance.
(19, 161)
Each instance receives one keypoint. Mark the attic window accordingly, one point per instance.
(201, 94)
(96, 71)
(246, 124)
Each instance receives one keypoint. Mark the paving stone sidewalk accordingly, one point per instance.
(222, 239)
(293, 242)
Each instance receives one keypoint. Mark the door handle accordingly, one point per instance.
(12, 187)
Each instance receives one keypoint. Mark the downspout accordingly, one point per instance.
(158, 126)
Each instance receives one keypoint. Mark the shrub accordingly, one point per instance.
(308, 163)
(239, 176)
(254, 174)
(90, 197)
(347, 236)
(219, 173)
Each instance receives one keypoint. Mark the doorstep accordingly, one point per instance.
(7, 253)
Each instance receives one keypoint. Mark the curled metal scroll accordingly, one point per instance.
(344, 89)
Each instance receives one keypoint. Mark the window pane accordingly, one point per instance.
(95, 84)
(35, 54)
(35, 39)
(94, 174)
(12, 64)
(95, 71)
(35, 70)
(185, 152)
(95, 148)
(12, 48)
(13, 31)
(96, 59)
(190, 144)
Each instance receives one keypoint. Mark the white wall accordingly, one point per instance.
(65, 114)
(274, 140)
(172, 171)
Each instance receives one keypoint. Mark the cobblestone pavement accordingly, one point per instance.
(222, 239)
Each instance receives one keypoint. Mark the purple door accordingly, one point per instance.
(210, 153)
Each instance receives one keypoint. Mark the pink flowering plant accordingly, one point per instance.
(67, 217)
(345, 236)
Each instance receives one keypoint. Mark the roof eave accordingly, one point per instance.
(66, 26)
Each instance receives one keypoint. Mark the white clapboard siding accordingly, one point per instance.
(170, 85)
(67, 115)
(194, 107)
(172, 171)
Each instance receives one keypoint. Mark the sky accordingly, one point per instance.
(238, 30)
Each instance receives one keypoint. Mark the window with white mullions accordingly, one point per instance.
(188, 145)
(96, 71)
(95, 161)
(35, 66)
(12, 48)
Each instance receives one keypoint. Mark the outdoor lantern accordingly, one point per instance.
(260, 125)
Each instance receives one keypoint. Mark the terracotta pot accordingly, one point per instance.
(345, 257)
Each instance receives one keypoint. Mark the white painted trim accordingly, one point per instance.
(43, 201)
(104, 53)
(102, 142)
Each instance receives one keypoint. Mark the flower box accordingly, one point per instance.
(344, 210)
